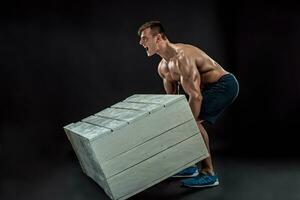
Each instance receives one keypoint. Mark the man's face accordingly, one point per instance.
(148, 41)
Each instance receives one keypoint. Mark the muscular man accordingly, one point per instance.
(210, 88)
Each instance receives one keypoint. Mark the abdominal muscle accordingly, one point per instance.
(211, 76)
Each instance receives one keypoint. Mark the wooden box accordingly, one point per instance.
(137, 143)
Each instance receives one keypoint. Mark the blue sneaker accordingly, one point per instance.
(203, 180)
(188, 172)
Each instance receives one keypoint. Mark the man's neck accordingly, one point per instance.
(167, 51)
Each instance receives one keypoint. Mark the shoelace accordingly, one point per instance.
(205, 179)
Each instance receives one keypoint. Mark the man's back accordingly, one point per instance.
(189, 57)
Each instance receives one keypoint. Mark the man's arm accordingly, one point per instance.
(190, 81)
(170, 87)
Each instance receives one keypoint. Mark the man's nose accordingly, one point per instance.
(142, 42)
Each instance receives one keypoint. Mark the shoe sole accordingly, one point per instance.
(186, 176)
(202, 186)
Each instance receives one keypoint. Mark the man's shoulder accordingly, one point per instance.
(183, 57)
(162, 63)
(162, 66)
(189, 54)
(187, 47)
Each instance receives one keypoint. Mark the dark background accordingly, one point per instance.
(61, 61)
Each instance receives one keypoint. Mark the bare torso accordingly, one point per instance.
(209, 70)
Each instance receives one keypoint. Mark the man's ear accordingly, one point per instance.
(158, 37)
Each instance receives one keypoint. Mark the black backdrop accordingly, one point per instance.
(62, 61)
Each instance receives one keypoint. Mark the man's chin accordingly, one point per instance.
(149, 54)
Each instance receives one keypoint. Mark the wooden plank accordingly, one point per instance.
(141, 131)
(105, 122)
(163, 99)
(74, 146)
(89, 131)
(82, 148)
(138, 106)
(150, 148)
(87, 157)
(122, 114)
(147, 173)
(162, 178)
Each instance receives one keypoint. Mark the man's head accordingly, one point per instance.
(152, 35)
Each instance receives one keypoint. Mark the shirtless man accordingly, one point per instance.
(210, 88)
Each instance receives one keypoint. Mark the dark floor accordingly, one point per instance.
(241, 178)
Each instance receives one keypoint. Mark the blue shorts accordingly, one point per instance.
(217, 97)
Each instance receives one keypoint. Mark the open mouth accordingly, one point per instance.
(146, 48)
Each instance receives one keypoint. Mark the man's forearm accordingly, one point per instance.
(195, 105)
(170, 90)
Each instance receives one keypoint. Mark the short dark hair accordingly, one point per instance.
(156, 28)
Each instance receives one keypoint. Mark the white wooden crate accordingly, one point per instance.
(137, 143)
